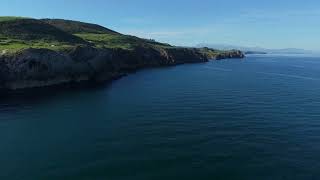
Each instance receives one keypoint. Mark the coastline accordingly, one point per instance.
(38, 53)
(36, 68)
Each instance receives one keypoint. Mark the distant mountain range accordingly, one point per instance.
(257, 50)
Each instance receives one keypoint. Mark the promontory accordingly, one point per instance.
(46, 52)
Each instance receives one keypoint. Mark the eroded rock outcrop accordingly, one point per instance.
(43, 67)
(230, 54)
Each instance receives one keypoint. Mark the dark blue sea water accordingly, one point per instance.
(257, 118)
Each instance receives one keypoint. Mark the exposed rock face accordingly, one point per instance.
(43, 67)
(228, 55)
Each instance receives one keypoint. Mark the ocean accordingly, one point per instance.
(256, 118)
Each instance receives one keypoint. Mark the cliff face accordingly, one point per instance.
(230, 55)
(43, 67)
(36, 53)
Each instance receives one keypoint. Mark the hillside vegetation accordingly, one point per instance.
(19, 33)
(74, 27)
(46, 52)
(10, 18)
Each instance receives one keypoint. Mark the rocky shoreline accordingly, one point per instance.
(49, 52)
(30, 68)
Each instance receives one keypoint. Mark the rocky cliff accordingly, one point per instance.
(37, 53)
(230, 55)
(44, 67)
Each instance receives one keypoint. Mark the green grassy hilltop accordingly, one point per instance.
(20, 33)
(17, 33)
(10, 18)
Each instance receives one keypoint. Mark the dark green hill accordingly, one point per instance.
(32, 30)
(75, 27)
(99, 35)
(11, 18)
(18, 33)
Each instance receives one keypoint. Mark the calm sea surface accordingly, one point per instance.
(257, 118)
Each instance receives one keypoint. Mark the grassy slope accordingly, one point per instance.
(74, 27)
(10, 18)
(100, 36)
(17, 33)
(118, 41)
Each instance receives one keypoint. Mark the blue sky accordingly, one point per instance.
(270, 24)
